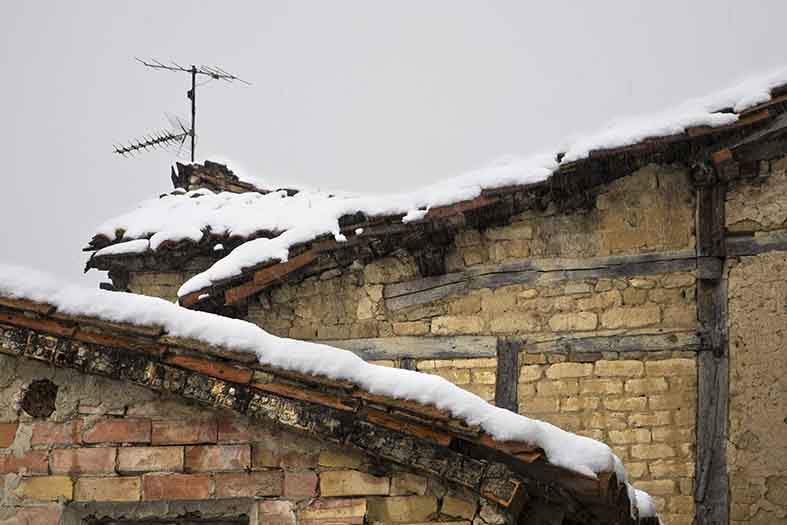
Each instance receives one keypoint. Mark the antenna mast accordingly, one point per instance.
(179, 136)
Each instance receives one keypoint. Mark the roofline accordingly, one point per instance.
(507, 473)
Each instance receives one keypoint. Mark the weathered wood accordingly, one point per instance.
(426, 290)
(754, 245)
(507, 374)
(266, 276)
(420, 347)
(711, 483)
(688, 340)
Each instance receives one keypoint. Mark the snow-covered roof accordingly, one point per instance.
(271, 224)
(580, 454)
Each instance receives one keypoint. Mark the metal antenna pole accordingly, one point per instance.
(180, 134)
(193, 109)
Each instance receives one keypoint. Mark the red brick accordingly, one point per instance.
(107, 489)
(248, 484)
(220, 457)
(82, 460)
(7, 434)
(213, 368)
(150, 459)
(32, 462)
(38, 515)
(180, 432)
(236, 430)
(48, 433)
(300, 484)
(175, 486)
(119, 431)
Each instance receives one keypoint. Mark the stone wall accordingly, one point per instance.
(641, 404)
(757, 446)
(108, 444)
(757, 317)
(650, 211)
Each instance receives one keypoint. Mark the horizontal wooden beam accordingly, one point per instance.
(757, 244)
(426, 290)
(420, 347)
(641, 342)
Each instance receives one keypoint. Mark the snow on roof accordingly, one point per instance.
(291, 220)
(577, 453)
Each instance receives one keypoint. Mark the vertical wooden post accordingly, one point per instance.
(507, 372)
(711, 483)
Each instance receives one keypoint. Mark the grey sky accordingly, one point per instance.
(358, 95)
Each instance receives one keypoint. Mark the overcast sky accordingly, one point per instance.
(357, 95)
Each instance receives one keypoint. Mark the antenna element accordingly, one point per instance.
(168, 138)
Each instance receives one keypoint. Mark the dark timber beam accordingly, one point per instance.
(711, 482)
(507, 372)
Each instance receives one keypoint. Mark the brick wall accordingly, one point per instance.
(114, 442)
(642, 405)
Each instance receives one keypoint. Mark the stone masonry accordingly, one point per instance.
(110, 441)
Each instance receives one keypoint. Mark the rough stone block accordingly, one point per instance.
(514, 323)
(646, 386)
(402, 509)
(405, 483)
(566, 370)
(565, 387)
(458, 376)
(671, 367)
(652, 451)
(621, 368)
(672, 469)
(458, 508)
(635, 435)
(107, 489)
(634, 317)
(352, 483)
(333, 511)
(410, 328)
(626, 404)
(650, 419)
(540, 405)
(340, 458)
(573, 321)
(529, 373)
(450, 325)
(601, 386)
(150, 459)
(660, 487)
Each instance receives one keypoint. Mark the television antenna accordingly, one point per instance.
(179, 133)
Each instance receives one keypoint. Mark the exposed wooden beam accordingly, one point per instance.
(425, 290)
(455, 347)
(507, 375)
(711, 483)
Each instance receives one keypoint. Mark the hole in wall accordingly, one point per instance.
(38, 398)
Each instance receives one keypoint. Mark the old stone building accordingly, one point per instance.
(636, 294)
